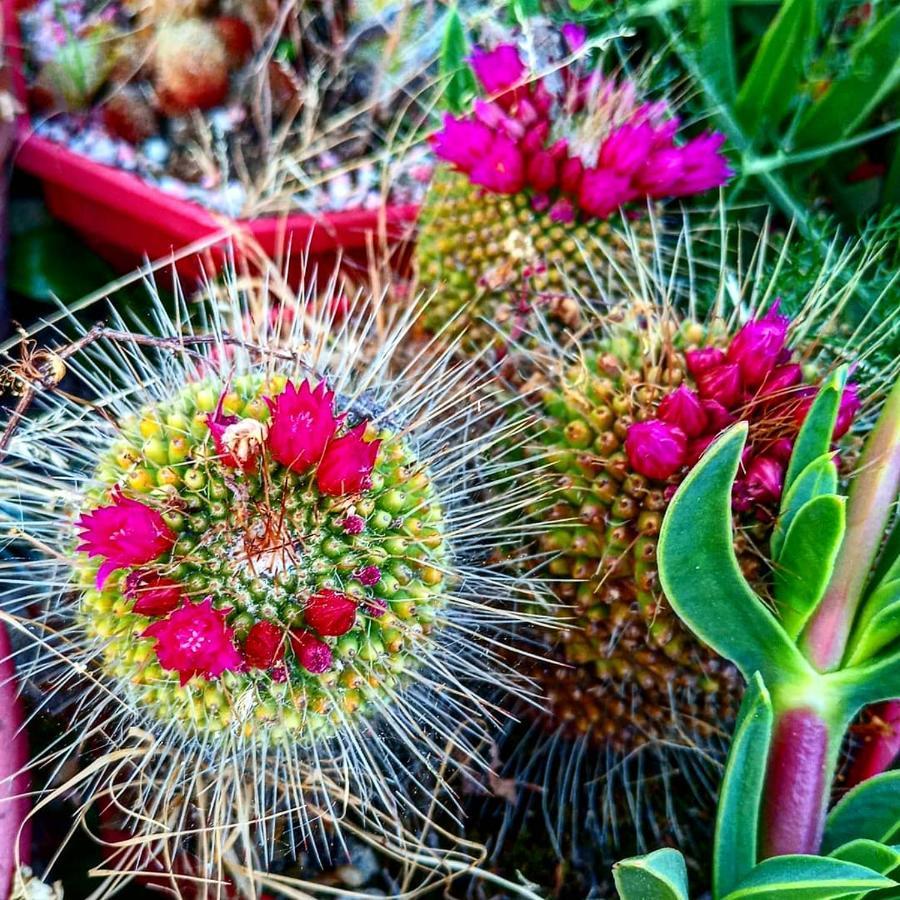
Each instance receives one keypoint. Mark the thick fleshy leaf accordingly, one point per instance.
(807, 560)
(870, 75)
(871, 811)
(701, 576)
(881, 629)
(778, 67)
(814, 438)
(806, 878)
(455, 71)
(888, 566)
(874, 855)
(661, 875)
(735, 849)
(819, 477)
(873, 681)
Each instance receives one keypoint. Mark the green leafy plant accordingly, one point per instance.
(829, 648)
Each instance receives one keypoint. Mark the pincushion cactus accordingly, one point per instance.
(534, 176)
(264, 563)
(625, 412)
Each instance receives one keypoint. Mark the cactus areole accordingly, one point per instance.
(256, 558)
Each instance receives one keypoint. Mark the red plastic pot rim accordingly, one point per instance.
(186, 221)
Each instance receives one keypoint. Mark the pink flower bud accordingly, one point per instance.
(850, 406)
(570, 175)
(498, 69)
(314, 655)
(330, 612)
(153, 594)
(656, 449)
(683, 408)
(717, 417)
(126, 532)
(781, 380)
(574, 35)
(562, 211)
(461, 142)
(603, 192)
(303, 422)
(722, 383)
(375, 606)
(542, 174)
(264, 645)
(533, 141)
(781, 449)
(368, 575)
(764, 481)
(626, 149)
(758, 345)
(195, 640)
(697, 447)
(501, 168)
(701, 360)
(353, 524)
(346, 467)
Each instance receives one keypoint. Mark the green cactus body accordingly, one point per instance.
(495, 263)
(260, 543)
(630, 673)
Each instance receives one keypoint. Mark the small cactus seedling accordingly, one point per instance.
(625, 412)
(533, 177)
(264, 561)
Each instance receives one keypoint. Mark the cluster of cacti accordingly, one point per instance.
(526, 210)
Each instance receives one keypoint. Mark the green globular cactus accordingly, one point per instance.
(261, 545)
(498, 268)
(259, 564)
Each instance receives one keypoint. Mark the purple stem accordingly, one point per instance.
(797, 782)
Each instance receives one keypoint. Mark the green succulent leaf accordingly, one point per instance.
(807, 559)
(819, 477)
(735, 849)
(888, 566)
(880, 629)
(807, 878)
(869, 811)
(873, 855)
(777, 68)
(871, 75)
(454, 69)
(873, 681)
(814, 439)
(715, 35)
(661, 875)
(701, 576)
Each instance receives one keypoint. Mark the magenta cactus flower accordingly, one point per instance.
(153, 594)
(312, 653)
(126, 532)
(346, 467)
(195, 640)
(656, 448)
(264, 645)
(303, 422)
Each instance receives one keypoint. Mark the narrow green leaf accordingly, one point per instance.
(807, 560)
(880, 629)
(715, 36)
(701, 576)
(806, 878)
(890, 194)
(735, 849)
(874, 681)
(455, 71)
(777, 68)
(814, 438)
(871, 75)
(872, 854)
(888, 566)
(871, 810)
(661, 875)
(819, 477)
